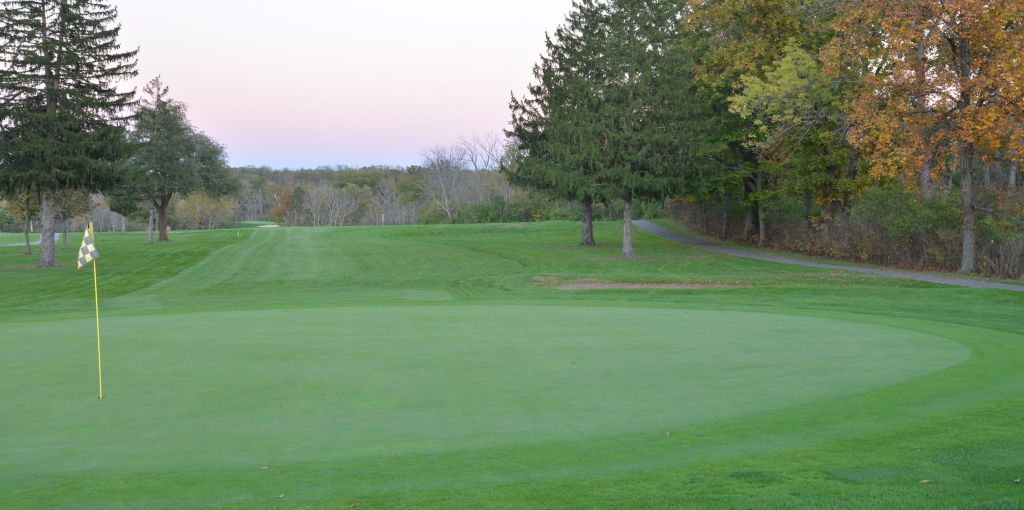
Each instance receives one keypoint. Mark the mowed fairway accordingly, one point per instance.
(441, 367)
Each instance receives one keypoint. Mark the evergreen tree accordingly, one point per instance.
(63, 116)
(652, 130)
(554, 128)
(613, 113)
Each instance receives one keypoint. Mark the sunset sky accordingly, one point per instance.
(323, 82)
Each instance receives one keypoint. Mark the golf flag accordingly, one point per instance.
(86, 254)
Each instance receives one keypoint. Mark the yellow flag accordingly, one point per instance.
(87, 253)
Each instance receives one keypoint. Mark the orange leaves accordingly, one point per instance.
(931, 76)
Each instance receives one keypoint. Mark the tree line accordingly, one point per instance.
(68, 128)
(849, 129)
(866, 130)
(456, 183)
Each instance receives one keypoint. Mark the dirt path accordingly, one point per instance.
(892, 273)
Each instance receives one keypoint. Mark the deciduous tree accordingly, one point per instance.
(171, 157)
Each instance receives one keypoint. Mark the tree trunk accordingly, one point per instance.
(969, 246)
(705, 227)
(748, 219)
(724, 230)
(47, 250)
(924, 179)
(627, 229)
(588, 222)
(150, 225)
(762, 226)
(1012, 188)
(66, 233)
(162, 217)
(28, 235)
(808, 209)
(748, 223)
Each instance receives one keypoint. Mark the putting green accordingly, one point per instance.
(237, 389)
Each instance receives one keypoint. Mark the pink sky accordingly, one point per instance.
(315, 82)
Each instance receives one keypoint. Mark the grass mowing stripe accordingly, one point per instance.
(313, 356)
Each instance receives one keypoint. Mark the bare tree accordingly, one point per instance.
(326, 205)
(483, 152)
(442, 175)
(318, 204)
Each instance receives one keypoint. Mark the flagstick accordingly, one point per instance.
(99, 355)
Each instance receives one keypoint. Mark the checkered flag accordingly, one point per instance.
(87, 253)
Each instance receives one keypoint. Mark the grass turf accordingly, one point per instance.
(435, 367)
(13, 238)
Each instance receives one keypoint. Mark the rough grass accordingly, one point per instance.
(420, 367)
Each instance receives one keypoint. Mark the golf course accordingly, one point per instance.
(497, 366)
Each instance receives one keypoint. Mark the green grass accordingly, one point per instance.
(438, 367)
(12, 238)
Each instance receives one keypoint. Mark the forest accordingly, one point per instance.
(861, 130)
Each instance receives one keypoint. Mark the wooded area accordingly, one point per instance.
(864, 130)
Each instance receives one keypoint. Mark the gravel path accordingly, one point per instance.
(892, 273)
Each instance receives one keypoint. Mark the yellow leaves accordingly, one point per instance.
(931, 77)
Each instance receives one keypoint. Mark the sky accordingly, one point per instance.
(305, 83)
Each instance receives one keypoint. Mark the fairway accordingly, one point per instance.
(12, 238)
(437, 367)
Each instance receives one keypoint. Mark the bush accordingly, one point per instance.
(7, 221)
(886, 224)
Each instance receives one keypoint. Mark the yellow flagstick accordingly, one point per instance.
(96, 294)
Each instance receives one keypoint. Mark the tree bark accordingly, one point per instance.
(762, 225)
(924, 179)
(65, 225)
(627, 229)
(724, 231)
(47, 250)
(808, 209)
(969, 246)
(28, 236)
(748, 219)
(1012, 188)
(150, 225)
(588, 222)
(162, 217)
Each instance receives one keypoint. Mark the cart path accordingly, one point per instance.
(767, 257)
(56, 237)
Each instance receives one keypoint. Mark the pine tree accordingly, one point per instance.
(63, 115)
(652, 128)
(554, 127)
(614, 112)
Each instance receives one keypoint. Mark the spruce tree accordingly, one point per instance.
(652, 126)
(553, 128)
(613, 114)
(63, 115)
